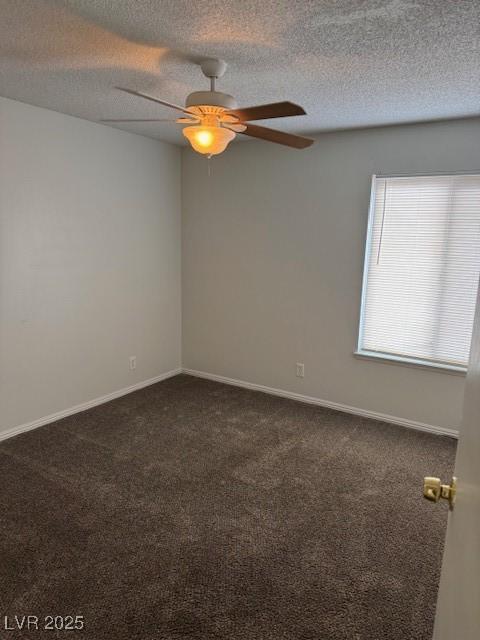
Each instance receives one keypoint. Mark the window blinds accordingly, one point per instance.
(422, 268)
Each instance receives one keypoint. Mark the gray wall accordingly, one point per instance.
(89, 261)
(273, 245)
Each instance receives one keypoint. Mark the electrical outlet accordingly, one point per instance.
(300, 370)
(133, 363)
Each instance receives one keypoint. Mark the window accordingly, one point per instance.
(422, 267)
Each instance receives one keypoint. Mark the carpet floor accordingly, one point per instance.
(192, 509)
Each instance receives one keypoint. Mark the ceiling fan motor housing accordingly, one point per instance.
(212, 99)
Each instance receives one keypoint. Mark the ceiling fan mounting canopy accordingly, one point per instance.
(213, 67)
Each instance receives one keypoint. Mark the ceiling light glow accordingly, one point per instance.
(208, 140)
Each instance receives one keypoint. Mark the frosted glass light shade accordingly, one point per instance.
(208, 140)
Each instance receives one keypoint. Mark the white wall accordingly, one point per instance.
(273, 246)
(89, 261)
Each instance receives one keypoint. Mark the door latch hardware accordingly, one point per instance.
(433, 490)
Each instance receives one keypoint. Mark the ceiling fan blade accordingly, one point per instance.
(152, 99)
(280, 137)
(238, 127)
(265, 111)
(138, 120)
(192, 120)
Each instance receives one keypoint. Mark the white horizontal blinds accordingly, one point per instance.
(423, 267)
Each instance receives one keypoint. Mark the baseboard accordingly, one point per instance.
(404, 422)
(9, 433)
(411, 424)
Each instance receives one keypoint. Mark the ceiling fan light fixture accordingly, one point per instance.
(208, 140)
(213, 118)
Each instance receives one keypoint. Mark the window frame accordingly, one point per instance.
(382, 356)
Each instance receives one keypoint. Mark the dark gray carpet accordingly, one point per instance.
(192, 509)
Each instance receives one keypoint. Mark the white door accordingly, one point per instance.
(458, 606)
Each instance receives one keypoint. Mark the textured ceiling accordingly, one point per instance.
(349, 63)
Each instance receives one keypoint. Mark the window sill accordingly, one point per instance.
(411, 362)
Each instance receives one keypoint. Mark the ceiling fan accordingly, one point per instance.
(213, 119)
